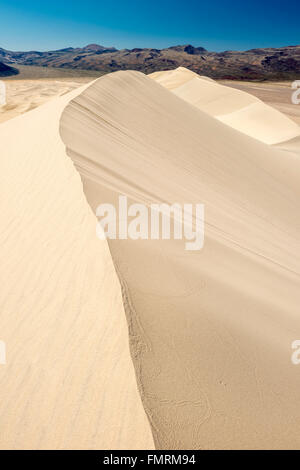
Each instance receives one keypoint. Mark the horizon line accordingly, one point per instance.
(156, 48)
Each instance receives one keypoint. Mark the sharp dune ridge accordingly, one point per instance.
(69, 382)
(210, 332)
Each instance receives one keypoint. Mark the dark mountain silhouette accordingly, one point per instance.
(6, 70)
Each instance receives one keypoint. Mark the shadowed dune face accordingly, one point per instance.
(238, 109)
(210, 331)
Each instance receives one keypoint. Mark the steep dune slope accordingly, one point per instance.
(235, 108)
(68, 382)
(210, 330)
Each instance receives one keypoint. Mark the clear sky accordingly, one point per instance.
(215, 25)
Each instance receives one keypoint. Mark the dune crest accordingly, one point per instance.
(68, 382)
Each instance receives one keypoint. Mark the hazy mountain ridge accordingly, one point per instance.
(255, 64)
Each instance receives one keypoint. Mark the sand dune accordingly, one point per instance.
(172, 79)
(69, 381)
(238, 109)
(210, 331)
(276, 94)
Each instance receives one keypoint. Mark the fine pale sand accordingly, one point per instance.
(24, 95)
(210, 331)
(278, 95)
(236, 108)
(69, 381)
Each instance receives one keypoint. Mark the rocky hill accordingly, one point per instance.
(254, 64)
(6, 70)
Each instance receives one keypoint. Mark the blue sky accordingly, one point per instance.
(215, 25)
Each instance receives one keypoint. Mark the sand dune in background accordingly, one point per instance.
(69, 382)
(172, 79)
(210, 331)
(238, 109)
(276, 94)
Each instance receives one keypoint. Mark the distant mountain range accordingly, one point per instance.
(255, 64)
